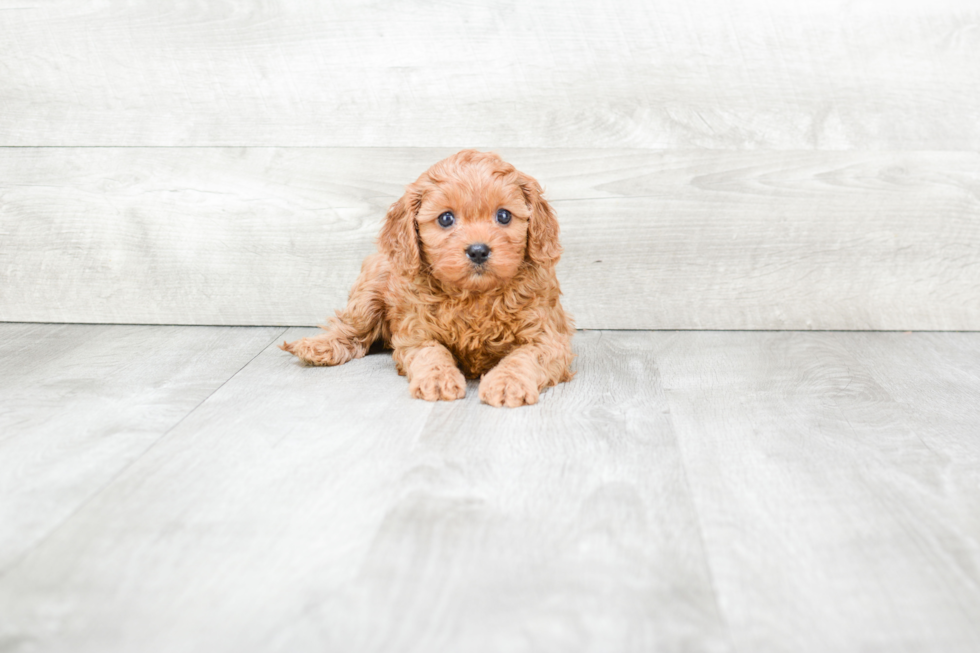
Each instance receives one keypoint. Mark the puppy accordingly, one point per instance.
(463, 286)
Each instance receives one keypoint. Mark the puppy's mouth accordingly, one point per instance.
(479, 277)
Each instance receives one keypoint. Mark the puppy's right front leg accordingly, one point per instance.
(432, 372)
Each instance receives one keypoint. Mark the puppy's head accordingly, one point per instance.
(472, 221)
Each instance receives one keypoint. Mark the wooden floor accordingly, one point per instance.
(195, 489)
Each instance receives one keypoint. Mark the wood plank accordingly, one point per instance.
(706, 73)
(830, 524)
(79, 403)
(933, 377)
(688, 240)
(935, 380)
(311, 509)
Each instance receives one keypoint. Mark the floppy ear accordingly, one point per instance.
(543, 248)
(399, 237)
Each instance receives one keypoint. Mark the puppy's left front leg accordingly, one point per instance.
(518, 379)
(432, 372)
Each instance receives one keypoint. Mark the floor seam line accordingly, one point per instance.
(697, 514)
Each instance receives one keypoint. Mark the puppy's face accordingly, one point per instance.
(473, 228)
(471, 221)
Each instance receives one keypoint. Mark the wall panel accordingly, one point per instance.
(827, 75)
(716, 240)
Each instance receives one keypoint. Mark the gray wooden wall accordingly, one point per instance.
(714, 164)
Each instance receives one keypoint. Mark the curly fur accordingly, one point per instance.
(446, 318)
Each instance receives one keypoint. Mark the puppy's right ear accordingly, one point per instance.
(399, 237)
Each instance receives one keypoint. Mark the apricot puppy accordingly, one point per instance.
(463, 286)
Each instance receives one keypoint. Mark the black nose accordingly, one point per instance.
(478, 253)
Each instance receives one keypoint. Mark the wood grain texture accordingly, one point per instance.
(311, 509)
(935, 381)
(686, 491)
(548, 73)
(79, 403)
(933, 377)
(653, 240)
(831, 522)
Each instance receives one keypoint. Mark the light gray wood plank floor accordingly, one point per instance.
(80, 402)
(194, 488)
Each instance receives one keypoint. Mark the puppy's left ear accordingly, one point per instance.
(543, 247)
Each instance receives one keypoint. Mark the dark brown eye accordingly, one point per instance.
(446, 219)
(503, 216)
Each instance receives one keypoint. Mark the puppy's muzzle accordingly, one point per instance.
(478, 253)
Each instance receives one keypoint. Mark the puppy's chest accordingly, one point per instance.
(478, 335)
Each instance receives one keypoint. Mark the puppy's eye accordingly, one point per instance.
(503, 216)
(446, 219)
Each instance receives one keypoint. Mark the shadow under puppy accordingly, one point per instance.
(463, 283)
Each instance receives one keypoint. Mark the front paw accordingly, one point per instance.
(443, 382)
(504, 387)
